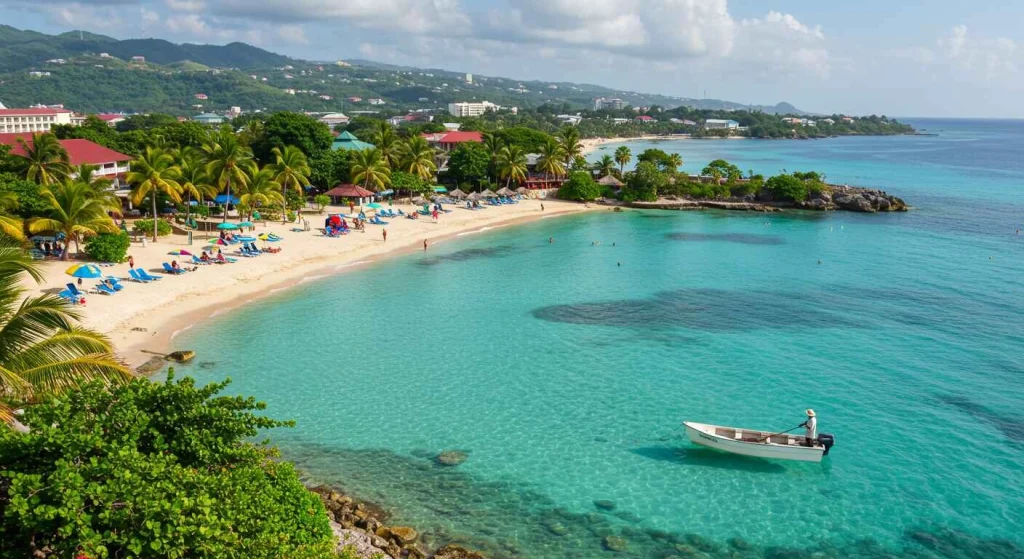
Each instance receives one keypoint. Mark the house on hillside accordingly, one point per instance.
(376, 101)
(719, 124)
(645, 119)
(201, 96)
(209, 118)
(111, 119)
(347, 141)
(139, 59)
(333, 119)
(448, 141)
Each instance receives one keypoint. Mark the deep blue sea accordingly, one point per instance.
(563, 370)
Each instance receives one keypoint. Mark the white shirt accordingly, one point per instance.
(812, 428)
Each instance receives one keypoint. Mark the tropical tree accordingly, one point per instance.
(493, 145)
(10, 225)
(228, 162)
(417, 157)
(87, 173)
(676, 161)
(260, 190)
(605, 166)
(153, 173)
(370, 169)
(512, 164)
(623, 156)
(193, 180)
(385, 139)
(45, 160)
(42, 350)
(569, 137)
(77, 211)
(291, 170)
(550, 160)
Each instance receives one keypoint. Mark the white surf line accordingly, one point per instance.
(181, 331)
(480, 230)
(351, 264)
(311, 278)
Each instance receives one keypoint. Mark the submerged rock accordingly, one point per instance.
(615, 543)
(183, 356)
(557, 528)
(456, 552)
(451, 458)
(404, 534)
(604, 504)
(152, 366)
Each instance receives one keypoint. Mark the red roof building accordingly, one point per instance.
(109, 163)
(111, 119)
(644, 118)
(449, 140)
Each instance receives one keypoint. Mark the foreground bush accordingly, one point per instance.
(580, 187)
(108, 247)
(152, 470)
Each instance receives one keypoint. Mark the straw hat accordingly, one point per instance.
(810, 413)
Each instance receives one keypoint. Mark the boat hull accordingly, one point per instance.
(705, 435)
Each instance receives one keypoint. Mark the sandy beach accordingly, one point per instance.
(591, 145)
(148, 316)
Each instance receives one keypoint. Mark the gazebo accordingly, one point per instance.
(610, 180)
(348, 142)
(352, 191)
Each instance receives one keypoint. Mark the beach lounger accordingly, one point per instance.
(118, 286)
(171, 270)
(145, 275)
(74, 290)
(136, 277)
(199, 261)
(69, 297)
(100, 288)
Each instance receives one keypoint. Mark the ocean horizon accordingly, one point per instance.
(562, 355)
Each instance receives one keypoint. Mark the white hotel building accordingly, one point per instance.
(13, 121)
(471, 109)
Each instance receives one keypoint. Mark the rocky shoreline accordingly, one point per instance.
(362, 528)
(841, 198)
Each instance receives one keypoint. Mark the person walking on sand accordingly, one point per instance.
(542, 206)
(812, 428)
(351, 207)
(384, 232)
(131, 262)
(424, 245)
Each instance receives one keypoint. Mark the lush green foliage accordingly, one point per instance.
(788, 187)
(163, 227)
(292, 129)
(108, 247)
(644, 183)
(153, 469)
(469, 163)
(529, 139)
(321, 201)
(580, 187)
(31, 202)
(722, 169)
(329, 168)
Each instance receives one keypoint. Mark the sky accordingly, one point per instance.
(941, 58)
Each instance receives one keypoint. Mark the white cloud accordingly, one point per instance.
(416, 16)
(292, 33)
(987, 57)
(186, 5)
(779, 43)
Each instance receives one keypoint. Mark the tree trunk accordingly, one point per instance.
(155, 223)
(227, 202)
(284, 203)
(188, 208)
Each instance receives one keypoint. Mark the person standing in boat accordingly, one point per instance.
(812, 428)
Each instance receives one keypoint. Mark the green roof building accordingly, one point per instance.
(348, 142)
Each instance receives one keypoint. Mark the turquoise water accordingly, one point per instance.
(563, 370)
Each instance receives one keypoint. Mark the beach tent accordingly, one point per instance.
(353, 192)
(504, 191)
(488, 194)
(457, 194)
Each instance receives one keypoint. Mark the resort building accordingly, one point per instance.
(201, 96)
(110, 164)
(208, 118)
(645, 119)
(570, 119)
(719, 124)
(111, 119)
(347, 141)
(829, 121)
(376, 101)
(602, 103)
(333, 119)
(140, 59)
(13, 121)
(465, 109)
(448, 141)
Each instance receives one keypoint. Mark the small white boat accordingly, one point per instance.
(763, 444)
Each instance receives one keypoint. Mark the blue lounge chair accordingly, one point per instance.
(171, 270)
(136, 277)
(101, 288)
(74, 290)
(199, 261)
(145, 275)
(118, 286)
(69, 297)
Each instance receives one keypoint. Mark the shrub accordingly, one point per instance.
(201, 210)
(644, 183)
(290, 216)
(153, 469)
(580, 187)
(321, 201)
(145, 226)
(108, 247)
(788, 187)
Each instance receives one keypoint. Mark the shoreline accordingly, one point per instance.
(590, 145)
(147, 318)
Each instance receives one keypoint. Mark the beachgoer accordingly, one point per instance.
(351, 207)
(424, 245)
(384, 232)
(131, 262)
(551, 240)
(812, 428)
(174, 265)
(620, 264)
(435, 214)
(204, 257)
(542, 207)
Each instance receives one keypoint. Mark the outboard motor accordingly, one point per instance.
(827, 440)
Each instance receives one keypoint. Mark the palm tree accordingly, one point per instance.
(369, 168)
(623, 156)
(417, 157)
(571, 146)
(550, 160)
(605, 166)
(291, 170)
(45, 161)
(42, 351)
(87, 173)
(385, 139)
(76, 210)
(193, 180)
(676, 160)
(260, 190)
(493, 144)
(512, 164)
(228, 163)
(10, 225)
(152, 173)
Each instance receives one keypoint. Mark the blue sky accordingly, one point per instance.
(943, 58)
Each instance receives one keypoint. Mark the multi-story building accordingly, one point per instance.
(471, 109)
(602, 103)
(13, 121)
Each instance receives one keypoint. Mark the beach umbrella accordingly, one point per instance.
(84, 271)
(457, 193)
(180, 253)
(505, 191)
(227, 225)
(474, 196)
(245, 224)
(374, 205)
(488, 194)
(522, 190)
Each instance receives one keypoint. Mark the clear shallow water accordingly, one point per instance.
(564, 375)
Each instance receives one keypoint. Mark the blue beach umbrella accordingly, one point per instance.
(227, 225)
(84, 271)
(245, 224)
(374, 205)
